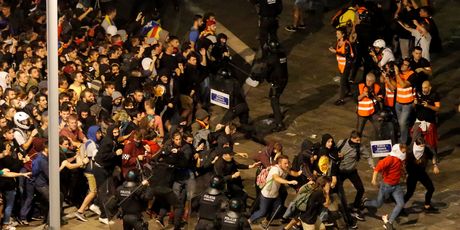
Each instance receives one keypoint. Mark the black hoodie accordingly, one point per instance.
(333, 152)
(106, 156)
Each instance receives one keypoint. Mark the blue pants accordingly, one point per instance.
(403, 112)
(385, 191)
(266, 205)
(9, 205)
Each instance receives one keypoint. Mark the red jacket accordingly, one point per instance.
(391, 169)
(129, 157)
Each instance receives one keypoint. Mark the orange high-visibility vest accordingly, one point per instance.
(366, 106)
(340, 55)
(405, 95)
(389, 96)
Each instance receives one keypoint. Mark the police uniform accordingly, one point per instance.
(210, 205)
(277, 76)
(233, 219)
(268, 21)
(134, 202)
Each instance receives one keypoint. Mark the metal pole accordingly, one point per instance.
(53, 113)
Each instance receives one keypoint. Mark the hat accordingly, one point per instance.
(201, 114)
(210, 23)
(146, 62)
(112, 30)
(116, 95)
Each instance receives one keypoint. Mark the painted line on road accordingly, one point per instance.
(233, 41)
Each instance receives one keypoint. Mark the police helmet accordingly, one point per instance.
(225, 73)
(274, 46)
(132, 176)
(235, 205)
(217, 182)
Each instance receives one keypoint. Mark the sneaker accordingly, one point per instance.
(353, 225)
(301, 27)
(23, 222)
(106, 221)
(36, 218)
(339, 102)
(430, 209)
(357, 215)
(363, 201)
(291, 28)
(94, 208)
(160, 222)
(81, 216)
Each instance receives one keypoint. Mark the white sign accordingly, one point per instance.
(381, 148)
(220, 98)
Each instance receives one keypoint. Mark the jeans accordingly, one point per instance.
(44, 192)
(385, 191)
(9, 205)
(266, 204)
(403, 112)
(28, 197)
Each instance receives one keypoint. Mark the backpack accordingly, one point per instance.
(83, 150)
(301, 200)
(336, 19)
(261, 180)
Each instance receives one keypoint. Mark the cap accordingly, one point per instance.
(116, 95)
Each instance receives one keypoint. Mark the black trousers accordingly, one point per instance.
(268, 27)
(103, 189)
(134, 222)
(415, 176)
(275, 104)
(344, 81)
(356, 181)
(375, 124)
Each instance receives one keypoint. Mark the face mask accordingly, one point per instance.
(418, 151)
(138, 144)
(64, 150)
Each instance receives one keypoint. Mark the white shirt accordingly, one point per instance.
(422, 41)
(387, 56)
(271, 188)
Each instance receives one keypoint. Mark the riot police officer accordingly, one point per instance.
(277, 76)
(132, 198)
(238, 107)
(233, 219)
(210, 204)
(269, 10)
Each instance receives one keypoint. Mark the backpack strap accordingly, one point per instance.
(342, 144)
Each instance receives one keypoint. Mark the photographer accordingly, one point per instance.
(380, 54)
(369, 100)
(388, 77)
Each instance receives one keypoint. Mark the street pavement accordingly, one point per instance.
(309, 109)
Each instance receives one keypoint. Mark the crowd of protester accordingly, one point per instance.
(134, 105)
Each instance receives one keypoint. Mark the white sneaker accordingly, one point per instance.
(106, 221)
(94, 208)
(251, 82)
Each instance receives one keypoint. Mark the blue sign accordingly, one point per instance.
(381, 148)
(219, 98)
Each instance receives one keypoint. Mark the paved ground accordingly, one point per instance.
(309, 96)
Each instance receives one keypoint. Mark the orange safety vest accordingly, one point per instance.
(340, 55)
(405, 95)
(389, 96)
(366, 106)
